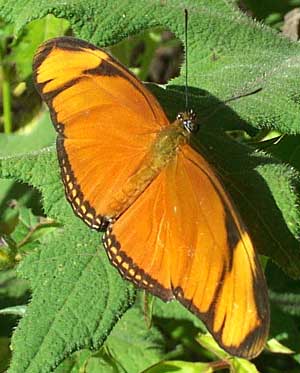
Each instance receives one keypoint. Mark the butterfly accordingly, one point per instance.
(171, 228)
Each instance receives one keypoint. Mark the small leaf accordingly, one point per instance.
(288, 302)
(285, 148)
(89, 362)
(12, 288)
(242, 366)
(180, 367)
(274, 346)
(207, 341)
(7, 253)
(16, 311)
(237, 365)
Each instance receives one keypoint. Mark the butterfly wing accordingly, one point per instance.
(183, 239)
(95, 103)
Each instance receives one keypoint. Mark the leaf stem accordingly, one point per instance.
(219, 364)
(6, 98)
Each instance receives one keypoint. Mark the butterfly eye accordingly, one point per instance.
(188, 120)
(192, 115)
(190, 126)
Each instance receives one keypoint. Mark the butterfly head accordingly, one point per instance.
(188, 121)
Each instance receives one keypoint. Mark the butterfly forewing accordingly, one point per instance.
(95, 104)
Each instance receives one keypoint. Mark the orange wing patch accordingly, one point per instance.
(149, 270)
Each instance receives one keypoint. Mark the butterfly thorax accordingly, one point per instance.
(166, 145)
(164, 148)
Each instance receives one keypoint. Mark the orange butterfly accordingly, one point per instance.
(171, 227)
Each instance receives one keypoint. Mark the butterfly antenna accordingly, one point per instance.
(242, 95)
(225, 102)
(186, 58)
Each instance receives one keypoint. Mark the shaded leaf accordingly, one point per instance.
(286, 148)
(288, 302)
(5, 353)
(132, 345)
(263, 9)
(265, 191)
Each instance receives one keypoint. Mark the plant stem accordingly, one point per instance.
(6, 98)
(219, 364)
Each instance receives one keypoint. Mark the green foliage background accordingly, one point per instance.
(77, 302)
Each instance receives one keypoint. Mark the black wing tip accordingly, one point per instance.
(251, 346)
(63, 42)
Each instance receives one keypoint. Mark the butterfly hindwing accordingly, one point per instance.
(95, 103)
(191, 245)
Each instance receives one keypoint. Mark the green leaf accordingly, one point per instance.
(11, 287)
(30, 228)
(16, 310)
(36, 135)
(284, 296)
(242, 366)
(131, 347)
(175, 311)
(8, 252)
(180, 367)
(134, 346)
(237, 365)
(84, 299)
(277, 347)
(207, 341)
(88, 362)
(286, 148)
(32, 36)
(14, 293)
